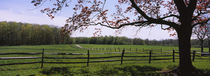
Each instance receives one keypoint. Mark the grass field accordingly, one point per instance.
(128, 68)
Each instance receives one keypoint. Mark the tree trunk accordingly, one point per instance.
(209, 43)
(201, 44)
(185, 64)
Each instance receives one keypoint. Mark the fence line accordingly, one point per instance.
(10, 58)
(122, 56)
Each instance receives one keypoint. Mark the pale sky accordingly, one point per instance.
(24, 11)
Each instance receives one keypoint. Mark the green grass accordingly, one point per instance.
(95, 69)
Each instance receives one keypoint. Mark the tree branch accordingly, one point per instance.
(139, 23)
(172, 15)
(152, 20)
(165, 28)
(201, 33)
(160, 21)
(202, 22)
(134, 5)
(200, 13)
(192, 6)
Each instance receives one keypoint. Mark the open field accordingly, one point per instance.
(134, 60)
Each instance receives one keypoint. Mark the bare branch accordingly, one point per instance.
(160, 21)
(172, 15)
(202, 22)
(152, 20)
(134, 5)
(139, 23)
(192, 5)
(165, 28)
(199, 14)
(200, 31)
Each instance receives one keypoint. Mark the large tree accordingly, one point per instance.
(181, 15)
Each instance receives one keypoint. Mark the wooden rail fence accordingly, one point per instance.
(123, 52)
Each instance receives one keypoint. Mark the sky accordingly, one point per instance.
(24, 11)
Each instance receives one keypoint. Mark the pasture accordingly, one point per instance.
(92, 60)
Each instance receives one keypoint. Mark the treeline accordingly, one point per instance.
(128, 41)
(13, 33)
(121, 41)
(107, 40)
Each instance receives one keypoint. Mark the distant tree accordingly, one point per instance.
(93, 40)
(201, 34)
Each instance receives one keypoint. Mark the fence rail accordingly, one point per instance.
(20, 53)
(10, 58)
(19, 63)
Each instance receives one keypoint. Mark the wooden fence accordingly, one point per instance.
(146, 55)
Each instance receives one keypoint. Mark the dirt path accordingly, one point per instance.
(78, 46)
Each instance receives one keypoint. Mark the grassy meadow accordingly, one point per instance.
(128, 68)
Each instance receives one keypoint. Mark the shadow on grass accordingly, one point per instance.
(66, 71)
(57, 70)
(29, 68)
(109, 70)
(128, 71)
(102, 71)
(196, 72)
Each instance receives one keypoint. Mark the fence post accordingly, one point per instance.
(123, 52)
(150, 55)
(209, 51)
(173, 55)
(42, 64)
(136, 49)
(88, 53)
(193, 59)
(118, 49)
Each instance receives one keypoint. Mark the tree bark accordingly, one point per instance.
(209, 43)
(185, 64)
(201, 44)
